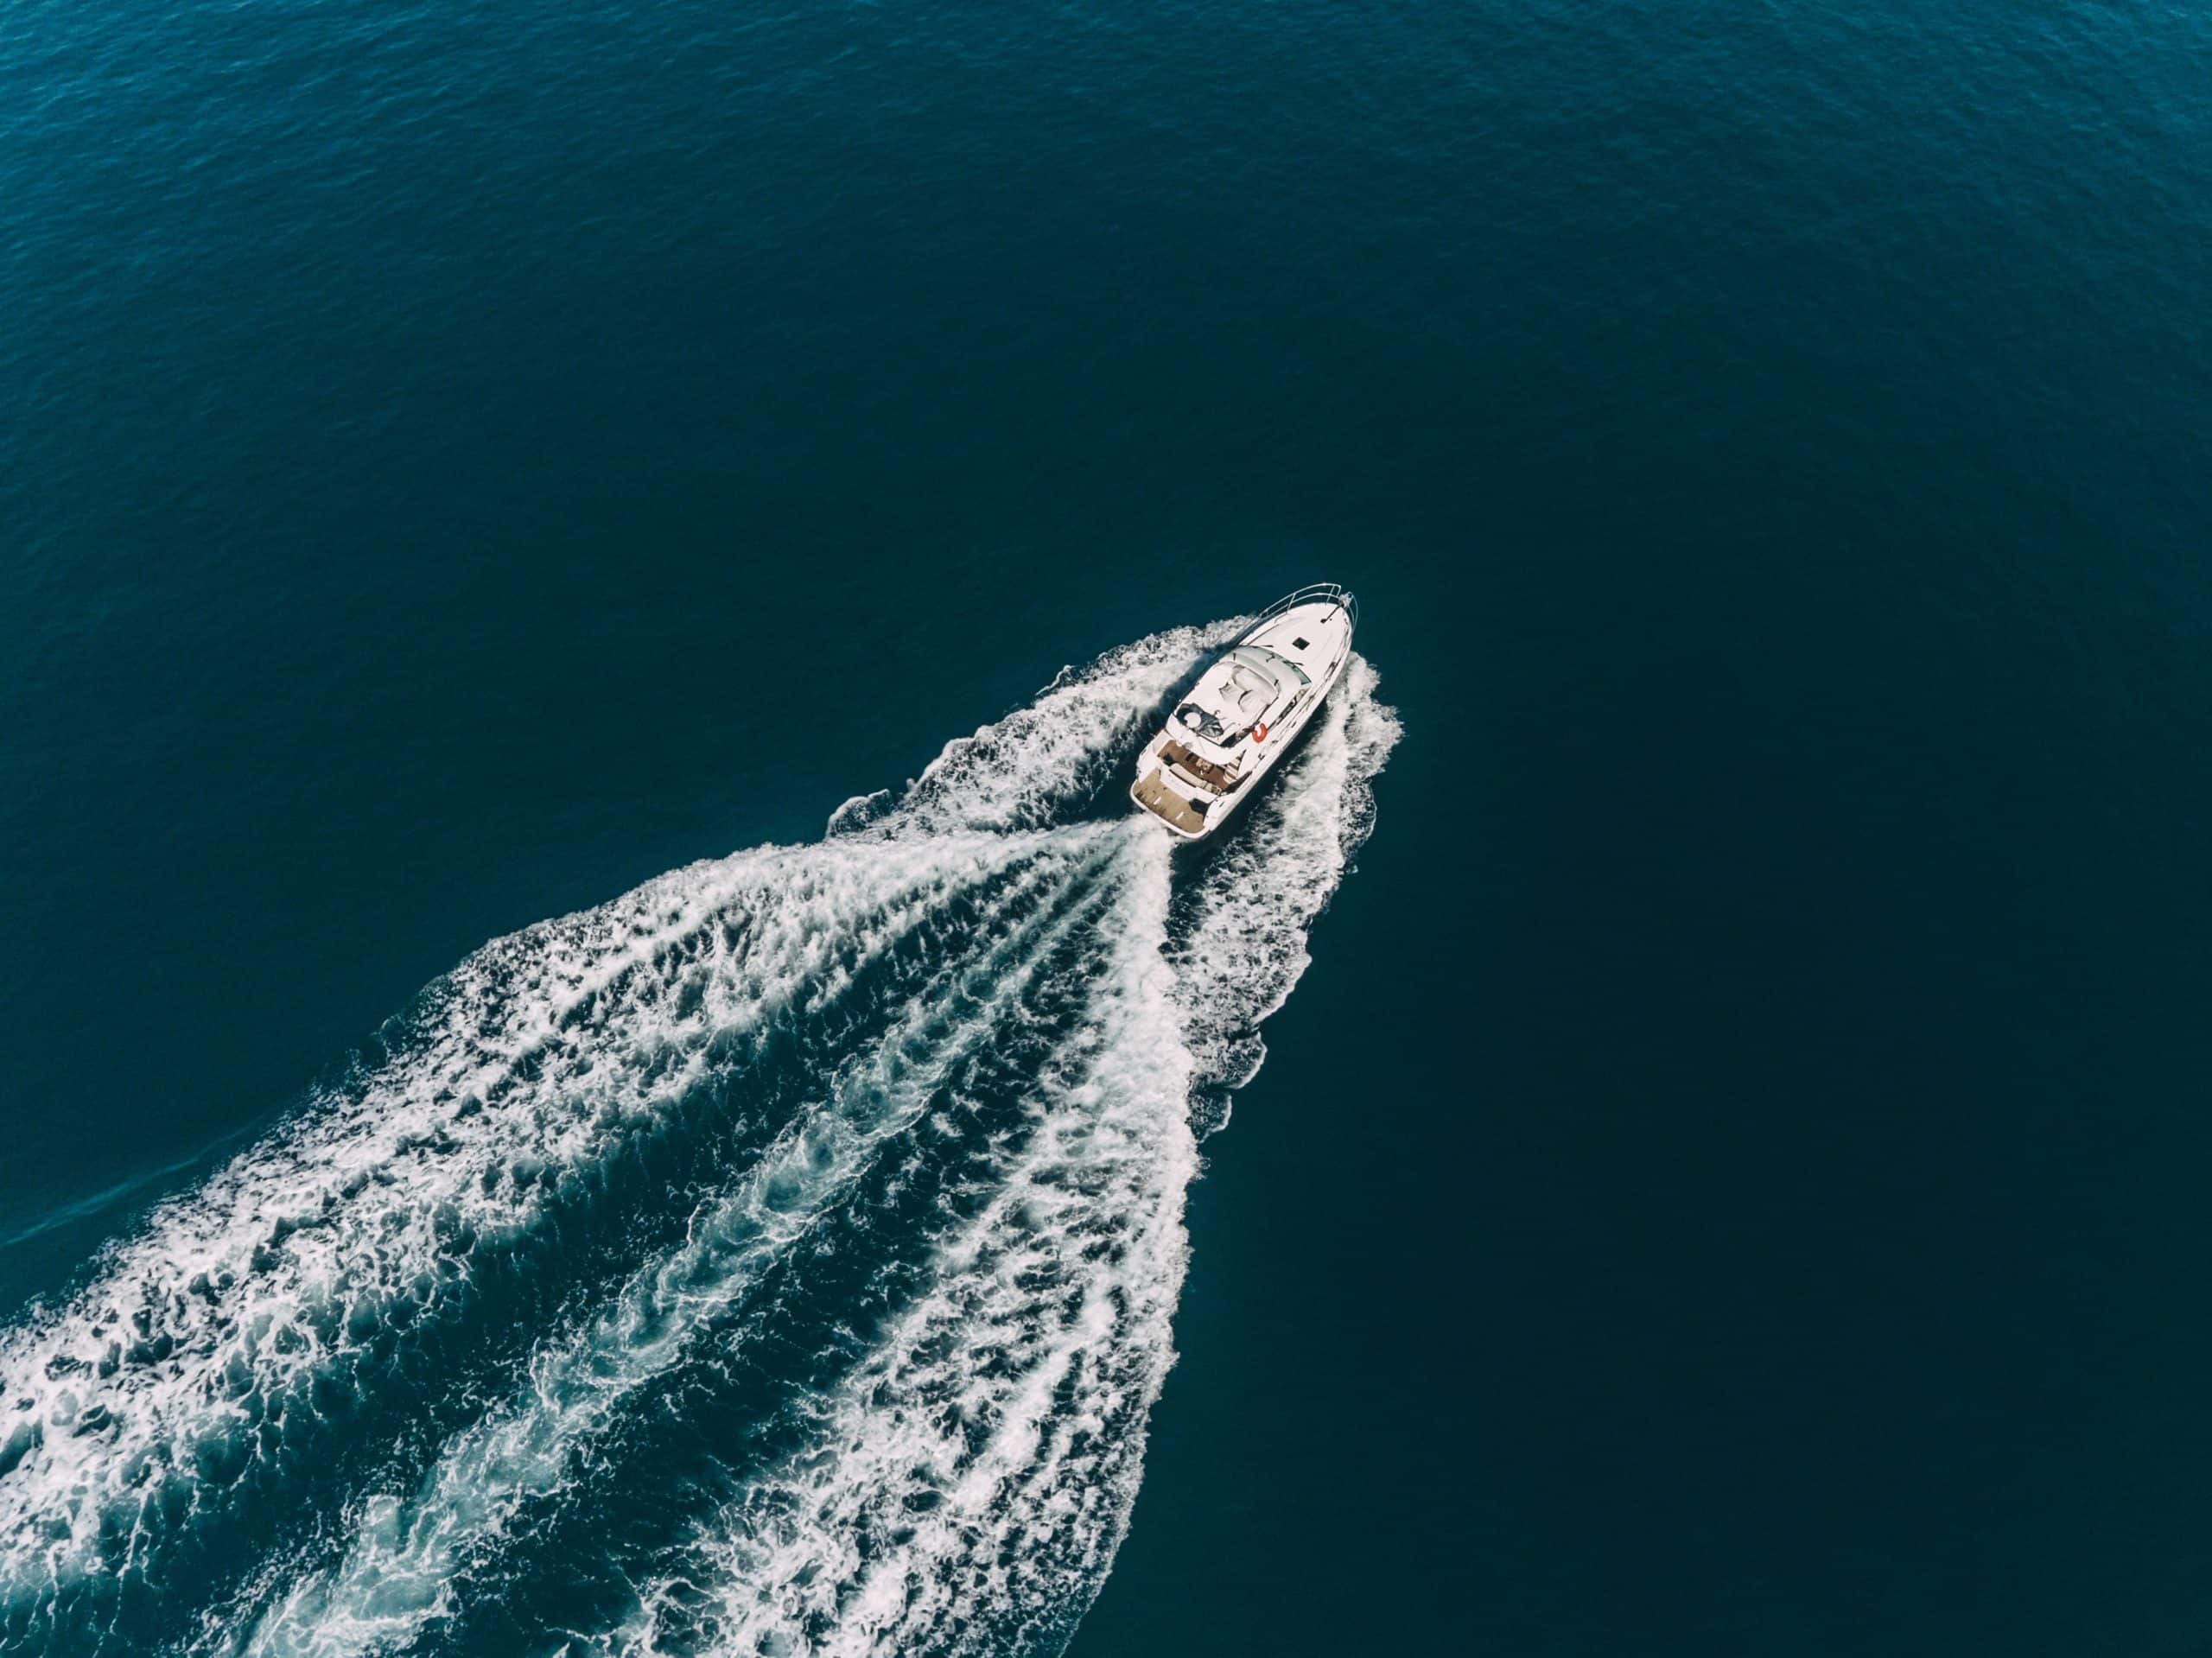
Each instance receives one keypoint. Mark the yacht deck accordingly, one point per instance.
(1163, 802)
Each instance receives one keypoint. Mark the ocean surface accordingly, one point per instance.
(590, 1062)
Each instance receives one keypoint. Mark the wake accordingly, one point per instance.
(779, 1259)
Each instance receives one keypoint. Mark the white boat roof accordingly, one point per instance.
(1238, 692)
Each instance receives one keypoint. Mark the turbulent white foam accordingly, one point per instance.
(399, 1573)
(1245, 951)
(1010, 1402)
(965, 1483)
(983, 1458)
(546, 1046)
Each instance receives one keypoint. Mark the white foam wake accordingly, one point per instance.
(983, 1457)
(1243, 948)
(400, 1574)
(965, 1489)
(193, 1356)
(569, 1112)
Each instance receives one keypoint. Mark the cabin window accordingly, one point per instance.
(1298, 644)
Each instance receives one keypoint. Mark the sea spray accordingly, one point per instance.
(781, 1257)
(408, 1557)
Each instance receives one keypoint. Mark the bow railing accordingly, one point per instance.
(1316, 593)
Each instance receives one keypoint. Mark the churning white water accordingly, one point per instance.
(779, 1259)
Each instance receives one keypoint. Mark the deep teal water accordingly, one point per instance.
(1731, 1179)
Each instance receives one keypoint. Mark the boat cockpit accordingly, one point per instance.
(1252, 683)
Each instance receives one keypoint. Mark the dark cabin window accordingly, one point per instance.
(1298, 644)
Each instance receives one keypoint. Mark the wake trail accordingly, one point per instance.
(983, 1457)
(407, 1564)
(780, 1258)
(333, 1282)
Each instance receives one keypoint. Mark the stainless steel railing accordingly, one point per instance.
(1316, 593)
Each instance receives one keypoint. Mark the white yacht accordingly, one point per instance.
(1245, 711)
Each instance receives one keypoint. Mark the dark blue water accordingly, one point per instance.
(1730, 1180)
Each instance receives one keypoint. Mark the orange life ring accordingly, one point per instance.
(1258, 734)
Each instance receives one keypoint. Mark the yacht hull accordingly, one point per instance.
(1247, 711)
